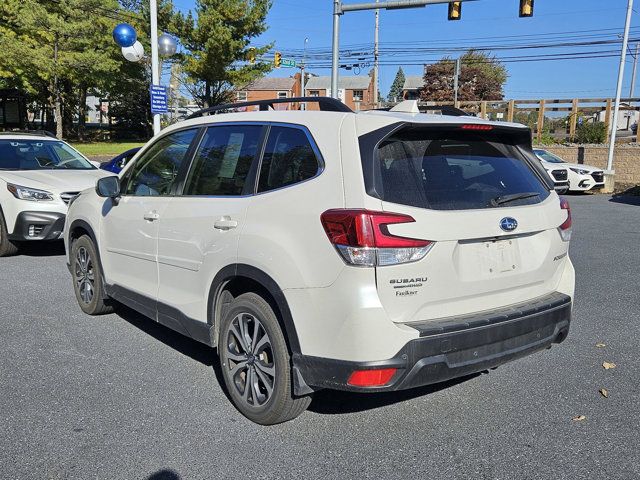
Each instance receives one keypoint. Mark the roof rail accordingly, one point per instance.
(326, 104)
(29, 132)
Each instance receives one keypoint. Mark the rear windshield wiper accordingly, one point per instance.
(496, 202)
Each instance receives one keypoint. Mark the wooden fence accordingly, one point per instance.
(574, 108)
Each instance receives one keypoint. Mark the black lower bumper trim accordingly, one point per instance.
(455, 347)
(46, 226)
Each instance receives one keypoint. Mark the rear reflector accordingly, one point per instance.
(371, 378)
(362, 237)
(482, 128)
(566, 228)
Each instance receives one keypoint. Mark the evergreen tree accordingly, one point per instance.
(217, 39)
(395, 94)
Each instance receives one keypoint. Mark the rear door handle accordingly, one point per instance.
(225, 223)
(151, 216)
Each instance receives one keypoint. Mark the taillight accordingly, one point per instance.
(566, 228)
(362, 238)
(371, 378)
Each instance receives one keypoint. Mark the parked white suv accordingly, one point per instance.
(39, 175)
(327, 249)
(580, 178)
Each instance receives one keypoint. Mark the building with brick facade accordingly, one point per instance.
(266, 88)
(356, 91)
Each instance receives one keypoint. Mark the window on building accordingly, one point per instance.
(314, 93)
(358, 95)
(241, 96)
(282, 95)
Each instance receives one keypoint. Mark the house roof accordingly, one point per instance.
(360, 82)
(413, 83)
(271, 83)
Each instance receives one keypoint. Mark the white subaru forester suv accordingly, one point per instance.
(39, 176)
(369, 252)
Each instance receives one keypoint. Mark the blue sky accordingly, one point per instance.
(290, 22)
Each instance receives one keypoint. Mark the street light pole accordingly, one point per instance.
(376, 59)
(337, 11)
(340, 9)
(456, 81)
(155, 63)
(616, 110)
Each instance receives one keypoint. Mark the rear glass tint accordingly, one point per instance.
(453, 169)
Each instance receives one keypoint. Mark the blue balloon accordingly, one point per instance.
(125, 35)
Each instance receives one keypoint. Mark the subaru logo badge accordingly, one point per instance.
(508, 224)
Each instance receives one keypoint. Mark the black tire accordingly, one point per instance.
(263, 360)
(7, 247)
(87, 278)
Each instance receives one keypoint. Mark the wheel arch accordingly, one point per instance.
(77, 229)
(241, 278)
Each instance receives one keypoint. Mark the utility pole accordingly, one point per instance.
(635, 71)
(456, 81)
(616, 110)
(376, 59)
(302, 74)
(155, 63)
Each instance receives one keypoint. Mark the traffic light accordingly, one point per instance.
(277, 59)
(455, 10)
(526, 8)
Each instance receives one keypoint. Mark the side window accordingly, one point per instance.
(223, 160)
(288, 158)
(155, 172)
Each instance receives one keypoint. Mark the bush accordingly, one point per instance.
(547, 139)
(591, 133)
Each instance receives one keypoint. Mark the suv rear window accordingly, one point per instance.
(453, 169)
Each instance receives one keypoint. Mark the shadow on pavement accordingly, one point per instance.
(626, 199)
(164, 475)
(195, 350)
(185, 345)
(41, 249)
(332, 402)
(327, 402)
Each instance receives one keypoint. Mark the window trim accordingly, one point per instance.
(314, 147)
(188, 156)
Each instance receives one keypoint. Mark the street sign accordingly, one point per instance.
(288, 63)
(159, 103)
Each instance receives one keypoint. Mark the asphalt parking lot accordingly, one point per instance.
(121, 398)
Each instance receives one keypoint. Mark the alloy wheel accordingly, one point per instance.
(250, 359)
(84, 273)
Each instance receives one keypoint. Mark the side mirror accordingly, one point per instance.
(108, 187)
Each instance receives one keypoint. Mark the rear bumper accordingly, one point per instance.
(38, 226)
(451, 348)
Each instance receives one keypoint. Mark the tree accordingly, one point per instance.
(482, 77)
(56, 50)
(395, 93)
(218, 44)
